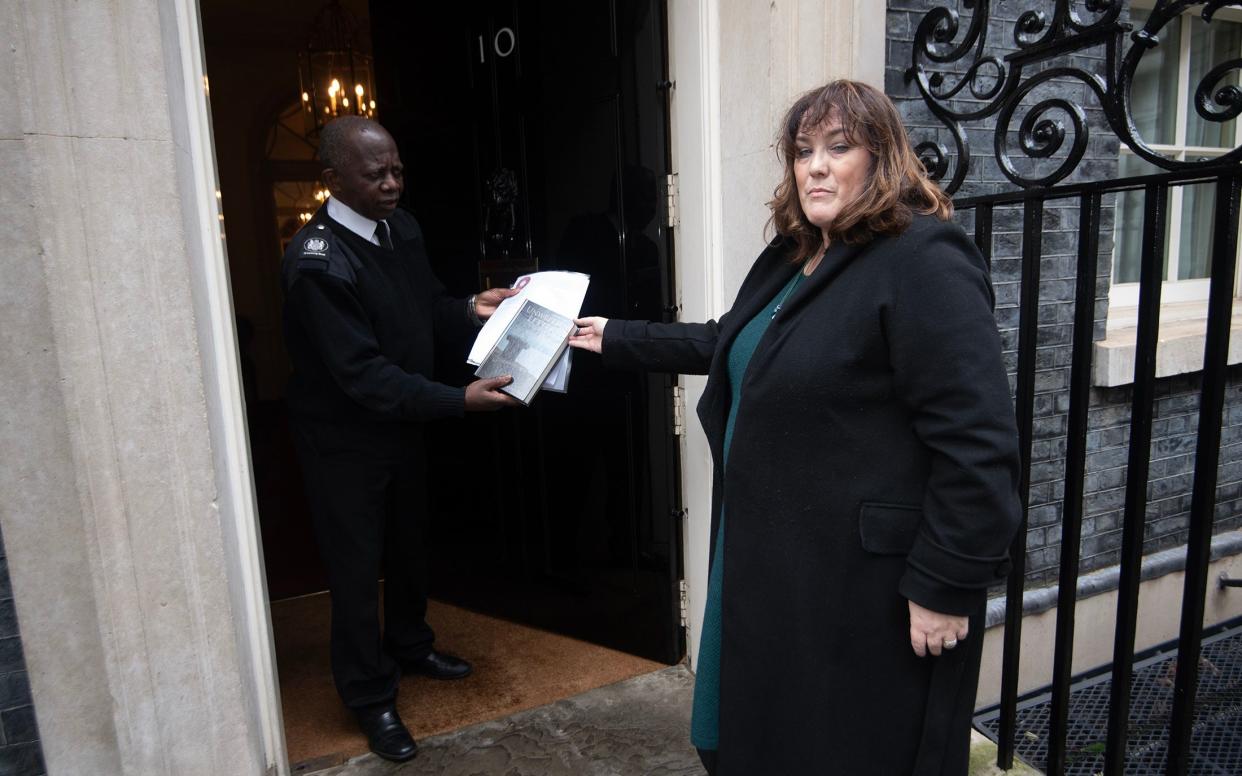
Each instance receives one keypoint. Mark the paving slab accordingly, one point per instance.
(640, 726)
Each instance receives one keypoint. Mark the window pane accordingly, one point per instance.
(1128, 234)
(296, 202)
(1194, 258)
(1210, 45)
(1154, 94)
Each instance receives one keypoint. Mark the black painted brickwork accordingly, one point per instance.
(1176, 419)
(20, 752)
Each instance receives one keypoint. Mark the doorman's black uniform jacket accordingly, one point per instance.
(874, 460)
(362, 326)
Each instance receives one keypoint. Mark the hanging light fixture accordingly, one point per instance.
(336, 71)
(321, 196)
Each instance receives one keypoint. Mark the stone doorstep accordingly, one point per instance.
(637, 727)
(317, 765)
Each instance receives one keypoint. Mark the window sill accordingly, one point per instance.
(1178, 351)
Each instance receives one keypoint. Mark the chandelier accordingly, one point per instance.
(337, 74)
(321, 195)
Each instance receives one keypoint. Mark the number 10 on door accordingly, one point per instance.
(503, 44)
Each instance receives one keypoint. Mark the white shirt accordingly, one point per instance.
(353, 221)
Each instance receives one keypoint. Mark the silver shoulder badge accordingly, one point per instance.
(316, 246)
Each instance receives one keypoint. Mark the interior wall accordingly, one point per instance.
(252, 53)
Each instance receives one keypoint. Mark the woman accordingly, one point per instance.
(866, 465)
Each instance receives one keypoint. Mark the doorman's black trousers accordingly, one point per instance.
(367, 494)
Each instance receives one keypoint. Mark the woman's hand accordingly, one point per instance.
(486, 302)
(932, 631)
(590, 334)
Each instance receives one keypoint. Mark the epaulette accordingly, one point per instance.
(316, 246)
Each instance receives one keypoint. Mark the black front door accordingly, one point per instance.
(534, 135)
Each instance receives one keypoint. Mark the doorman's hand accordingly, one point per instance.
(589, 335)
(486, 302)
(932, 631)
(485, 395)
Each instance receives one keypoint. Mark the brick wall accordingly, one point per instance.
(20, 753)
(1175, 423)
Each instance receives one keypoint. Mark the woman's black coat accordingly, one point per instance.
(874, 460)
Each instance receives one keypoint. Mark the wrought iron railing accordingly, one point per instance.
(998, 85)
(962, 80)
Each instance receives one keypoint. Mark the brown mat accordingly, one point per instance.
(516, 667)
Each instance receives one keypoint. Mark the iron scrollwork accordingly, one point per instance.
(999, 85)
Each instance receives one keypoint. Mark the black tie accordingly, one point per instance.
(381, 232)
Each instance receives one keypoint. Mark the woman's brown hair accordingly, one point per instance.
(896, 188)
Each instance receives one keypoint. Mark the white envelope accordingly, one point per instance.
(560, 292)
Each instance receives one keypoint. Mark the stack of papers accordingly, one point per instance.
(560, 292)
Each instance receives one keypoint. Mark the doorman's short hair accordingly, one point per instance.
(335, 149)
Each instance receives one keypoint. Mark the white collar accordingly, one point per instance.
(352, 220)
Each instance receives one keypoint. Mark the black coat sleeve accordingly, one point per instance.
(683, 348)
(455, 326)
(946, 357)
(453, 316)
(338, 328)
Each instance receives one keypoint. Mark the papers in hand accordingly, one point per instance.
(527, 349)
(560, 292)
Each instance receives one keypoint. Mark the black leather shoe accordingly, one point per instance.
(386, 733)
(438, 665)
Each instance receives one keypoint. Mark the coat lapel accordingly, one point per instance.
(714, 406)
(713, 410)
(749, 307)
(838, 257)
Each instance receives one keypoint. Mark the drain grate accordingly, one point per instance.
(1216, 746)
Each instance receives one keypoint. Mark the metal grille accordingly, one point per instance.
(1216, 742)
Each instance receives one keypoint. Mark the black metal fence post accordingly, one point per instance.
(983, 232)
(1028, 318)
(1207, 458)
(1075, 473)
(1155, 204)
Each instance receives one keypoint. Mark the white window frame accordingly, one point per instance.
(1125, 295)
(1183, 303)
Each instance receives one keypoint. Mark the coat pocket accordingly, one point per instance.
(888, 529)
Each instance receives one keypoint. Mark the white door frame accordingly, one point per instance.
(694, 68)
(199, 188)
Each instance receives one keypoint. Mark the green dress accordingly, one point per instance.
(705, 719)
